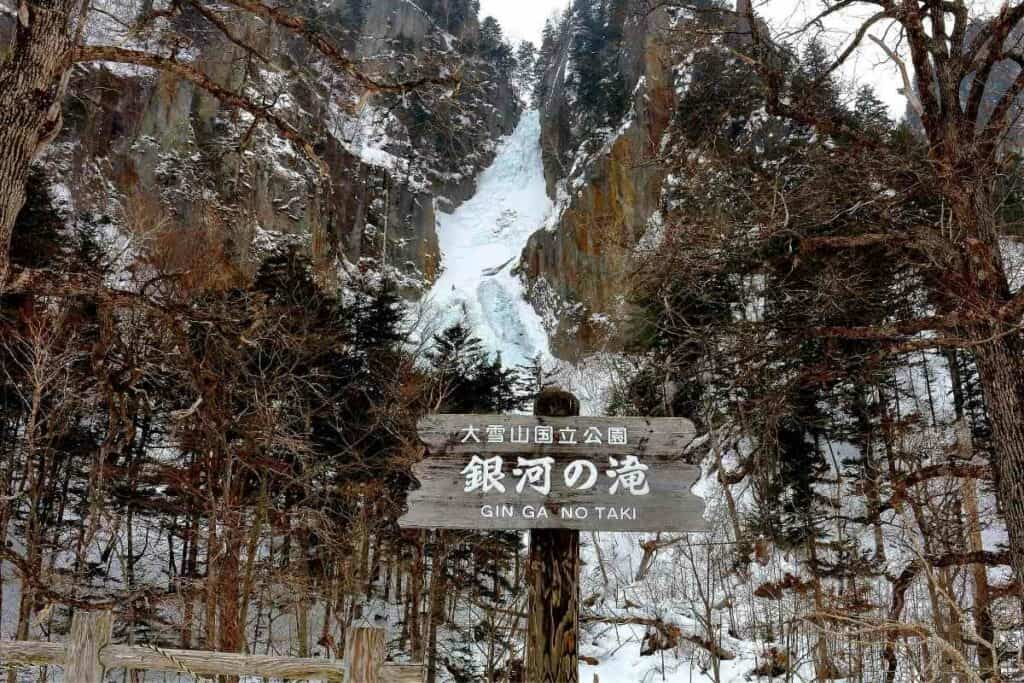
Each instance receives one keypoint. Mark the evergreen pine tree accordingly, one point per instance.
(526, 55)
(587, 62)
(596, 74)
(493, 46)
(545, 58)
(455, 352)
(471, 381)
(495, 387)
(490, 35)
(377, 317)
(869, 111)
(813, 85)
(534, 377)
(525, 58)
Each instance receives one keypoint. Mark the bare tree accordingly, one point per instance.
(967, 116)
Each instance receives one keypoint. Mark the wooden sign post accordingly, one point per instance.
(552, 650)
(563, 474)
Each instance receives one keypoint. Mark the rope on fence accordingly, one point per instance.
(7, 663)
(180, 665)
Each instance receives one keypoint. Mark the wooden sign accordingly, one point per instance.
(581, 473)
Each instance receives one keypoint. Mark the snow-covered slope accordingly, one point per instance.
(481, 242)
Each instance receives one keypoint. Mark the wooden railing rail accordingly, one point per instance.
(88, 654)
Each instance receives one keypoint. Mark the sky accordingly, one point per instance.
(524, 19)
(867, 65)
(521, 19)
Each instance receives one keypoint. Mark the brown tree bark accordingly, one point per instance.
(438, 584)
(33, 80)
(969, 497)
(1002, 380)
(982, 293)
(982, 612)
(552, 638)
(552, 648)
(190, 562)
(415, 597)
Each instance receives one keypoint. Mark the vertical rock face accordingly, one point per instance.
(608, 187)
(151, 156)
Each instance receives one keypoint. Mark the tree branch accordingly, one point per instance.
(103, 53)
(217, 20)
(895, 331)
(839, 242)
(908, 86)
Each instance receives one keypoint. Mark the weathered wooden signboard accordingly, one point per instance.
(532, 472)
(555, 474)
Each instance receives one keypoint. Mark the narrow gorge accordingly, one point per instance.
(261, 240)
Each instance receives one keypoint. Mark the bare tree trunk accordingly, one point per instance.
(228, 576)
(301, 585)
(415, 599)
(210, 584)
(249, 573)
(969, 495)
(982, 613)
(1002, 380)
(438, 585)
(7, 467)
(982, 291)
(870, 472)
(823, 668)
(190, 560)
(35, 77)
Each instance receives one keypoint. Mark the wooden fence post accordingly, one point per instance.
(90, 633)
(552, 651)
(86, 657)
(365, 650)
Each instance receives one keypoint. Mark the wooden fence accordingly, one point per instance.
(89, 653)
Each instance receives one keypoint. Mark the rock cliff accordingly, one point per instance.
(607, 172)
(152, 159)
(607, 182)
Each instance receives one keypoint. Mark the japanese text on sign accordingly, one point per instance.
(544, 434)
(626, 475)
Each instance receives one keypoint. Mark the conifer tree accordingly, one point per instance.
(493, 46)
(545, 59)
(534, 377)
(869, 112)
(813, 85)
(526, 55)
(587, 55)
(525, 59)
(471, 381)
